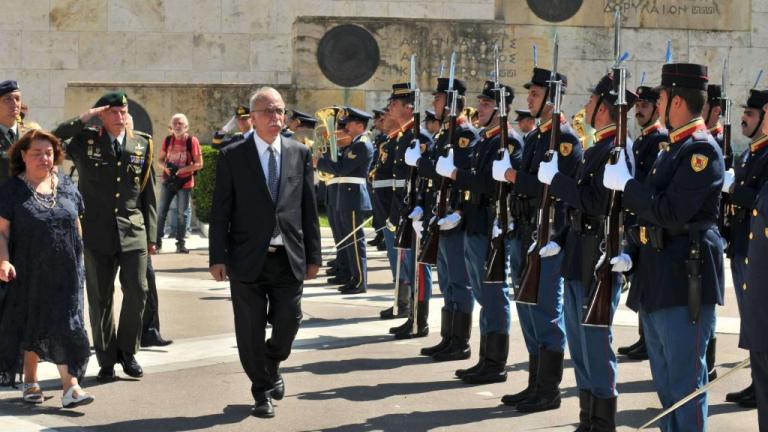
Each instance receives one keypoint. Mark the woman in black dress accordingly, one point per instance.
(41, 265)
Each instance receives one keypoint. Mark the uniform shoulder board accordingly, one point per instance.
(365, 138)
(143, 134)
(701, 135)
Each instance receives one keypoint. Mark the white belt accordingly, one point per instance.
(332, 181)
(377, 184)
(350, 180)
(400, 183)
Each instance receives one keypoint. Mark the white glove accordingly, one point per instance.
(533, 247)
(500, 167)
(547, 170)
(511, 225)
(445, 166)
(390, 226)
(449, 222)
(728, 180)
(617, 175)
(550, 249)
(496, 231)
(413, 153)
(416, 213)
(620, 263)
(417, 228)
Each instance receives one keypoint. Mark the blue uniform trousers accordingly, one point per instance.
(495, 315)
(354, 247)
(677, 350)
(543, 325)
(392, 255)
(739, 273)
(424, 278)
(452, 272)
(594, 361)
(341, 260)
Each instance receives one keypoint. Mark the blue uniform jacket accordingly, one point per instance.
(354, 162)
(751, 174)
(754, 320)
(400, 169)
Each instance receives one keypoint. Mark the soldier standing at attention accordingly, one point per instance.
(117, 182)
(679, 266)
(10, 126)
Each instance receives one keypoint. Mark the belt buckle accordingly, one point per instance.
(272, 249)
(643, 235)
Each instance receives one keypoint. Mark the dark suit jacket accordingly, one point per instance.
(244, 215)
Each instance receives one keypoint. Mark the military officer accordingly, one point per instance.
(352, 200)
(117, 182)
(754, 320)
(242, 118)
(742, 184)
(711, 113)
(379, 136)
(588, 200)
(477, 191)
(339, 270)
(456, 315)
(652, 139)
(525, 122)
(679, 267)
(11, 127)
(542, 324)
(431, 123)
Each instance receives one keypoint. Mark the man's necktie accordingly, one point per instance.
(116, 146)
(11, 136)
(273, 183)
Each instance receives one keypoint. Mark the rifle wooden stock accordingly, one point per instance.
(496, 263)
(529, 285)
(722, 215)
(404, 235)
(429, 253)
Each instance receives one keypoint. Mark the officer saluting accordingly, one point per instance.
(352, 200)
(242, 118)
(117, 182)
(679, 267)
(11, 127)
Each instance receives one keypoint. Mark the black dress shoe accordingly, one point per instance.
(263, 409)
(153, 338)
(639, 353)
(106, 374)
(181, 249)
(381, 246)
(278, 389)
(338, 280)
(130, 365)
(627, 349)
(351, 289)
(743, 394)
(749, 401)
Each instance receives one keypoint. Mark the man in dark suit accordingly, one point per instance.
(265, 236)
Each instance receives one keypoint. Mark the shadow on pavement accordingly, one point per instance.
(230, 415)
(645, 386)
(363, 393)
(354, 365)
(18, 408)
(638, 417)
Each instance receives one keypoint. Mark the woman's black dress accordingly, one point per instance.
(42, 310)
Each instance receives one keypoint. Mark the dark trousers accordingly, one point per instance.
(354, 247)
(100, 271)
(759, 362)
(275, 297)
(151, 318)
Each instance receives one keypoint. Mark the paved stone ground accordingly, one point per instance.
(345, 374)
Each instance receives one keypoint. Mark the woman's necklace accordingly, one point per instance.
(45, 200)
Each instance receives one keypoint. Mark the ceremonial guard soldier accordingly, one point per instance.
(339, 269)
(477, 207)
(242, 117)
(352, 200)
(11, 125)
(379, 219)
(542, 324)
(117, 182)
(742, 184)
(456, 315)
(679, 267)
(525, 122)
(588, 200)
(711, 113)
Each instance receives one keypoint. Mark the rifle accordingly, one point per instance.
(429, 253)
(725, 108)
(404, 235)
(529, 285)
(598, 307)
(496, 263)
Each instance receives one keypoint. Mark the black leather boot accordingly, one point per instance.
(739, 395)
(547, 393)
(461, 372)
(585, 411)
(711, 349)
(494, 368)
(458, 349)
(603, 415)
(639, 353)
(389, 313)
(402, 327)
(533, 373)
(627, 349)
(422, 325)
(446, 322)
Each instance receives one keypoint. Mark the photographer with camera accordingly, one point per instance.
(180, 157)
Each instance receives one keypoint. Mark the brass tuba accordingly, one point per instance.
(325, 136)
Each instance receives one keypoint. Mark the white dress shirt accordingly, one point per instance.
(262, 147)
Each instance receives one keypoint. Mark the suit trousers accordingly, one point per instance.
(274, 297)
(100, 271)
(151, 319)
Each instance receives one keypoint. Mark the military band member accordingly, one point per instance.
(117, 182)
(352, 201)
(742, 184)
(456, 315)
(339, 270)
(11, 128)
(477, 190)
(242, 118)
(542, 324)
(679, 267)
(588, 201)
(379, 219)
(525, 122)
(431, 123)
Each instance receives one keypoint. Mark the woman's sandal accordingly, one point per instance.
(70, 400)
(32, 393)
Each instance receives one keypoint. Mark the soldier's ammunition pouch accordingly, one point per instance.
(585, 224)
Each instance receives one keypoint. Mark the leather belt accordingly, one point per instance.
(350, 180)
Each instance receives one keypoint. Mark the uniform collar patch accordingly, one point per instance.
(605, 133)
(758, 144)
(651, 129)
(687, 130)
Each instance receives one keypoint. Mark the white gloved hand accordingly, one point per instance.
(445, 166)
(432, 220)
(418, 228)
(390, 226)
(547, 170)
(533, 247)
(511, 225)
(729, 180)
(500, 167)
(496, 231)
(621, 263)
(416, 213)
(413, 153)
(617, 175)
(550, 249)
(449, 222)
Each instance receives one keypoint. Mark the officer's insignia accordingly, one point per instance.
(383, 157)
(422, 147)
(351, 155)
(766, 232)
(139, 148)
(463, 142)
(699, 162)
(511, 148)
(663, 146)
(467, 195)
(566, 148)
(643, 235)
(125, 100)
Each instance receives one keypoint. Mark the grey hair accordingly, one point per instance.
(263, 93)
(181, 117)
